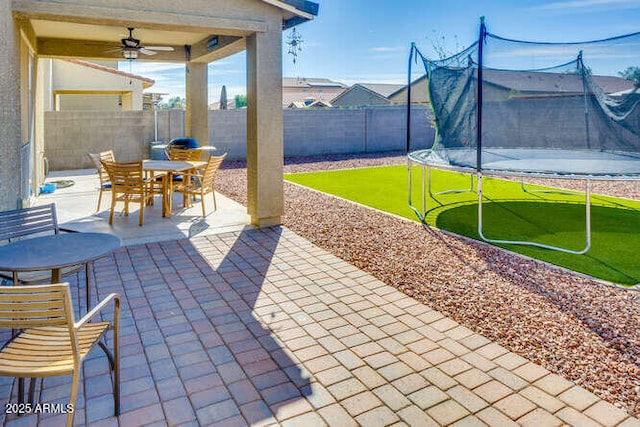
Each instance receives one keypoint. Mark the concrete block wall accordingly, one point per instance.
(70, 135)
(323, 131)
(228, 132)
(329, 131)
(170, 125)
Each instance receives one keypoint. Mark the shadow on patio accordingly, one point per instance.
(198, 337)
(76, 209)
(261, 327)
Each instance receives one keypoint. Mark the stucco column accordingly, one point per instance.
(9, 111)
(264, 128)
(197, 114)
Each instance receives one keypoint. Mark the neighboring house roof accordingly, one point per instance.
(146, 82)
(309, 90)
(381, 91)
(305, 82)
(384, 89)
(231, 104)
(537, 82)
(302, 104)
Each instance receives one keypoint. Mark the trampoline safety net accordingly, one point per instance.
(560, 108)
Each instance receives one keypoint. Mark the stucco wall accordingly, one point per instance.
(71, 135)
(10, 136)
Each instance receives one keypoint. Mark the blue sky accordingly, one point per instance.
(368, 41)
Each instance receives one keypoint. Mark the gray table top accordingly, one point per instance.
(56, 251)
(171, 165)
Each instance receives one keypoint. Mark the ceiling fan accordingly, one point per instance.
(131, 47)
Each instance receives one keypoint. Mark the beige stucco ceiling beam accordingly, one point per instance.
(97, 50)
(97, 15)
(202, 53)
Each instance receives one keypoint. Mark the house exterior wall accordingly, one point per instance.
(81, 88)
(11, 135)
(419, 94)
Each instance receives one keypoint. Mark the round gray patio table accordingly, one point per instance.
(54, 252)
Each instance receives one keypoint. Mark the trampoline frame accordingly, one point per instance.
(426, 188)
(477, 167)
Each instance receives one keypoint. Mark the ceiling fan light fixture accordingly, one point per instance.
(129, 53)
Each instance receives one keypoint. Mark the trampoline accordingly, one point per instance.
(556, 121)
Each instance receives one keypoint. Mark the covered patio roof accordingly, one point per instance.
(194, 32)
(67, 30)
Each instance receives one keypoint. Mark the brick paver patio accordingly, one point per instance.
(260, 327)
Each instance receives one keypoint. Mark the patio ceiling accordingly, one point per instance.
(63, 39)
(66, 31)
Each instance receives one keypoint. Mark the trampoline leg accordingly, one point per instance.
(588, 215)
(479, 177)
(541, 245)
(469, 190)
(567, 192)
(421, 215)
(424, 195)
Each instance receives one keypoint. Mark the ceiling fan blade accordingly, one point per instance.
(164, 48)
(147, 52)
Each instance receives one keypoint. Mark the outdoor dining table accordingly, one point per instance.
(56, 251)
(168, 168)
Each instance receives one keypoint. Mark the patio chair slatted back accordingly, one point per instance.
(128, 185)
(203, 182)
(24, 222)
(181, 154)
(105, 183)
(50, 342)
(31, 222)
(26, 307)
(209, 174)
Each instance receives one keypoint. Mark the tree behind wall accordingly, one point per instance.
(173, 103)
(631, 73)
(240, 101)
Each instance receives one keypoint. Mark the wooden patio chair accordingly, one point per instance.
(182, 154)
(105, 183)
(129, 185)
(31, 222)
(50, 341)
(203, 183)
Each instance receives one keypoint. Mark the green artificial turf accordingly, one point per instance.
(509, 213)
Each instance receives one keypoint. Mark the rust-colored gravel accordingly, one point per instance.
(584, 330)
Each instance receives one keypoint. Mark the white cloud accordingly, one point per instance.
(585, 5)
(389, 49)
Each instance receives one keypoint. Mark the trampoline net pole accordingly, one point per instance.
(483, 32)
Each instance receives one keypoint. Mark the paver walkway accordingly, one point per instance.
(260, 327)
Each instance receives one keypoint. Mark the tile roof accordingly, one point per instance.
(310, 82)
(384, 89)
(527, 81)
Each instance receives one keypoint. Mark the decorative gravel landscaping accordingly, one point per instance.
(572, 325)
